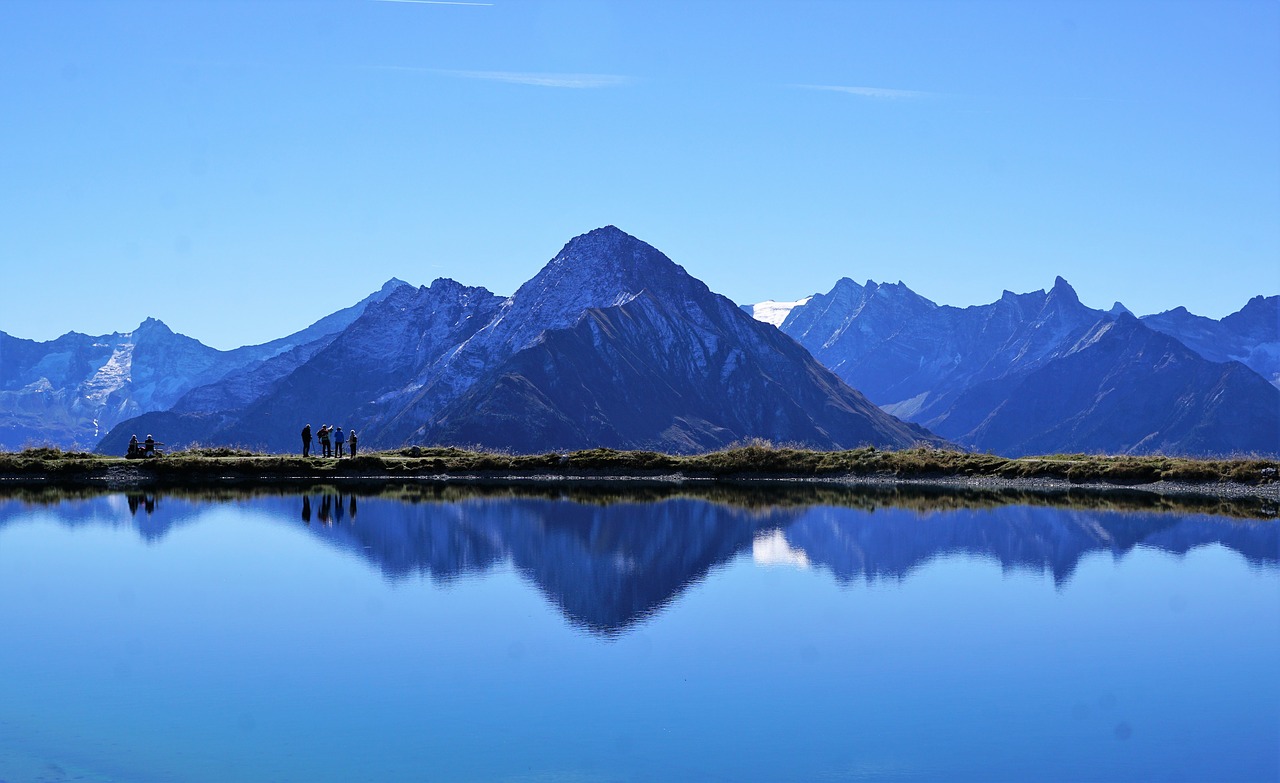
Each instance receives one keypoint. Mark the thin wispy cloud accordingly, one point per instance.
(879, 93)
(577, 81)
(571, 80)
(432, 2)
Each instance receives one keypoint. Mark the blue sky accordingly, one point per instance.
(240, 169)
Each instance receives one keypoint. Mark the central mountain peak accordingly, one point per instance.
(603, 267)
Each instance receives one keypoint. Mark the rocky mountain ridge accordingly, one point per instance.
(1042, 373)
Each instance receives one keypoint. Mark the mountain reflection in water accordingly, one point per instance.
(609, 564)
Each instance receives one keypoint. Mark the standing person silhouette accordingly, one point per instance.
(306, 441)
(339, 439)
(351, 436)
(323, 434)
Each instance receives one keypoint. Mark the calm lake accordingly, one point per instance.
(508, 637)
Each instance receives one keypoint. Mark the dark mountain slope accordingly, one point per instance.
(1124, 388)
(608, 382)
(665, 363)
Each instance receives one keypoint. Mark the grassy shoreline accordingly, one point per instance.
(755, 460)
(756, 475)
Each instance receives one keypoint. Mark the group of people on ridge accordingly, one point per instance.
(146, 449)
(332, 441)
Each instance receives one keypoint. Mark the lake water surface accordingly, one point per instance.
(328, 637)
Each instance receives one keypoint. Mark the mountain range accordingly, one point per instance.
(71, 391)
(1041, 373)
(613, 344)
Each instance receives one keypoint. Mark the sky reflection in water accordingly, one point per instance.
(268, 638)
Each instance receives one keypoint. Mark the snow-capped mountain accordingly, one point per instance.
(70, 391)
(981, 375)
(610, 344)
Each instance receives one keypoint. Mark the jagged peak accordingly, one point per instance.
(606, 260)
(1022, 303)
(1062, 293)
(393, 284)
(1260, 315)
(605, 238)
(447, 284)
(844, 290)
(440, 288)
(152, 326)
(846, 284)
(1118, 309)
(1061, 286)
(1260, 302)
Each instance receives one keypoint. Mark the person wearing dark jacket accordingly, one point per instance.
(306, 441)
(351, 438)
(338, 439)
(323, 435)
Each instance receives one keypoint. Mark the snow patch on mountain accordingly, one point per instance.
(112, 376)
(772, 312)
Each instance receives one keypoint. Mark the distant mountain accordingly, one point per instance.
(1250, 336)
(70, 391)
(610, 344)
(914, 357)
(1040, 372)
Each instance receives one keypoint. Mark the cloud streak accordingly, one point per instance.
(878, 93)
(578, 81)
(432, 2)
